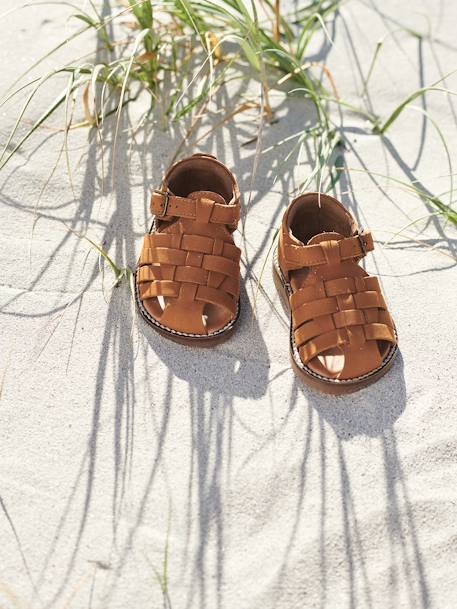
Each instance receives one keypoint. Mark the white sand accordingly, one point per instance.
(116, 444)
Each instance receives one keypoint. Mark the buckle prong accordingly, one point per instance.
(166, 196)
(363, 243)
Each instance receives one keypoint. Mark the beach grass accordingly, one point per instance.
(161, 49)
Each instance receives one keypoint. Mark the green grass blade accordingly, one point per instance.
(380, 130)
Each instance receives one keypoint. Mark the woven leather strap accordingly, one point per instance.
(299, 256)
(190, 268)
(336, 312)
(166, 206)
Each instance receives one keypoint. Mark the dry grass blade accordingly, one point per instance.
(277, 28)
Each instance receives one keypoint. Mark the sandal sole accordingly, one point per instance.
(333, 387)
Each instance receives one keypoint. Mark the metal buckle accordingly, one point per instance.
(363, 243)
(166, 196)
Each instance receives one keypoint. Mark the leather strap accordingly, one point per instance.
(298, 256)
(209, 266)
(165, 205)
(322, 323)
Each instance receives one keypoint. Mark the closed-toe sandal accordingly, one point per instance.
(188, 275)
(342, 336)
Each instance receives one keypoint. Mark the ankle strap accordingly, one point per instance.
(166, 206)
(299, 256)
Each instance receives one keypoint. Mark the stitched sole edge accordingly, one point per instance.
(318, 381)
(177, 336)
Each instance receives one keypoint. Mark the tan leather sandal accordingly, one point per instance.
(342, 335)
(188, 275)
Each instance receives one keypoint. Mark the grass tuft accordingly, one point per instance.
(152, 48)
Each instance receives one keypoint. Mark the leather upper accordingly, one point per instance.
(188, 274)
(342, 328)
